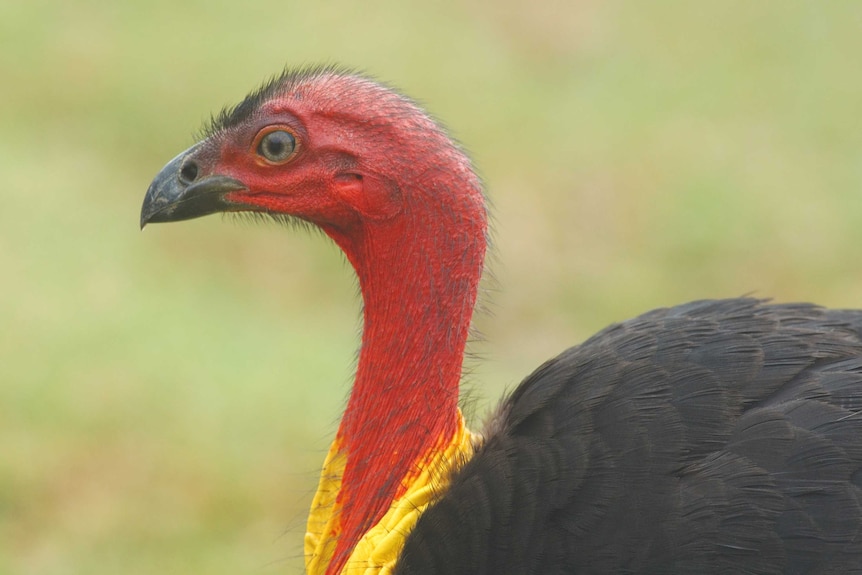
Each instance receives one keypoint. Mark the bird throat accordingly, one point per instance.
(418, 293)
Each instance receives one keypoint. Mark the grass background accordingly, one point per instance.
(166, 397)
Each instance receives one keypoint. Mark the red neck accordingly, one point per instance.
(419, 275)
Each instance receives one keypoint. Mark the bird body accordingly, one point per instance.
(715, 437)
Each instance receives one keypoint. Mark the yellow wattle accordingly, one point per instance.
(378, 549)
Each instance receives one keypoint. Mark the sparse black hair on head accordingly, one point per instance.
(231, 116)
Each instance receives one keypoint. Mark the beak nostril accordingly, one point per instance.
(188, 172)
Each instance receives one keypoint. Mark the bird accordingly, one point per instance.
(714, 437)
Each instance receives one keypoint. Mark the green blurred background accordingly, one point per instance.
(166, 397)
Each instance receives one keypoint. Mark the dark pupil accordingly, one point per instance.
(277, 146)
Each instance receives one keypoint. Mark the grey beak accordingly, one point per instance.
(178, 192)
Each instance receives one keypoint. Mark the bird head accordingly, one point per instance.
(323, 145)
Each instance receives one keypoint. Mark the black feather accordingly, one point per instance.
(715, 437)
(232, 116)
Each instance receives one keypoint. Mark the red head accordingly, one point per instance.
(330, 147)
(381, 178)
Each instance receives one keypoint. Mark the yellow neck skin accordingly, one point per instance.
(378, 550)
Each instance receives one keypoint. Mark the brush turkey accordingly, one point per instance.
(716, 437)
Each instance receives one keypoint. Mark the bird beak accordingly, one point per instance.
(178, 192)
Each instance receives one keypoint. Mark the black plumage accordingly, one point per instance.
(711, 438)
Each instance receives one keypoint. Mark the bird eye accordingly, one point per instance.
(277, 146)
